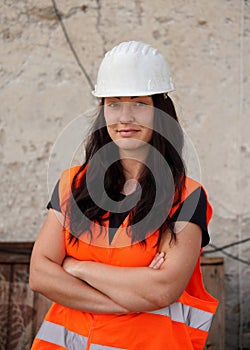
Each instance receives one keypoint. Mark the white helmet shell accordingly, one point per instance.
(133, 69)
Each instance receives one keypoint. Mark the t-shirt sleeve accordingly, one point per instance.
(194, 209)
(54, 202)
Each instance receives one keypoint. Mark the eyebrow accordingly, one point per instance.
(126, 96)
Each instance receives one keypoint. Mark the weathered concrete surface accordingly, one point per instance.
(42, 89)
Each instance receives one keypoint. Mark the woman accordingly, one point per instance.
(122, 263)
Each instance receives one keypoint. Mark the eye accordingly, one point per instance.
(113, 104)
(140, 104)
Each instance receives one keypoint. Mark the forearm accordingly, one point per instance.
(49, 279)
(136, 288)
(145, 288)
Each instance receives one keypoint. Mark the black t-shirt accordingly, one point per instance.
(193, 209)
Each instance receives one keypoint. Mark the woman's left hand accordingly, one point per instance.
(157, 261)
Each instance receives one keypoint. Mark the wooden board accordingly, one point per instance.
(5, 273)
(213, 277)
(21, 310)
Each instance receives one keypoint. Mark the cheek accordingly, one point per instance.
(149, 135)
(146, 120)
(108, 120)
(110, 132)
(110, 117)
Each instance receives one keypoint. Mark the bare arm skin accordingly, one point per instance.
(144, 288)
(49, 278)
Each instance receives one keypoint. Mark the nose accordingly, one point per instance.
(126, 113)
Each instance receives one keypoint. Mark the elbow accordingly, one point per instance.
(162, 302)
(166, 297)
(33, 284)
(34, 280)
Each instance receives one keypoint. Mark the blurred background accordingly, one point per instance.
(49, 56)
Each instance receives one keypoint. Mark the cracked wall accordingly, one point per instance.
(43, 88)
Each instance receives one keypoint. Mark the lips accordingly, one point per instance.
(128, 132)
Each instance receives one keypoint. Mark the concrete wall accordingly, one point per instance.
(42, 89)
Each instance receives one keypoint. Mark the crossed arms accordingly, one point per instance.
(100, 288)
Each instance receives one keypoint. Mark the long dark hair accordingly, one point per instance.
(162, 179)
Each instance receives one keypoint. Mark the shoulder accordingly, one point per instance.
(191, 186)
(68, 175)
(66, 180)
(194, 196)
(194, 207)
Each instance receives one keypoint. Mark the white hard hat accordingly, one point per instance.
(133, 69)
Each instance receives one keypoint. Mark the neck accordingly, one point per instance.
(133, 162)
(132, 168)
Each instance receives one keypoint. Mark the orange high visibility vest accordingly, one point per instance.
(183, 325)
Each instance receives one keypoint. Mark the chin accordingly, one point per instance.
(130, 144)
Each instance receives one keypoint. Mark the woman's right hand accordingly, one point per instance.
(157, 261)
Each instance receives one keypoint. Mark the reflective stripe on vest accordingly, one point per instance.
(191, 316)
(59, 335)
(103, 347)
(178, 312)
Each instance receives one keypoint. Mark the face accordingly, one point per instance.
(129, 120)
